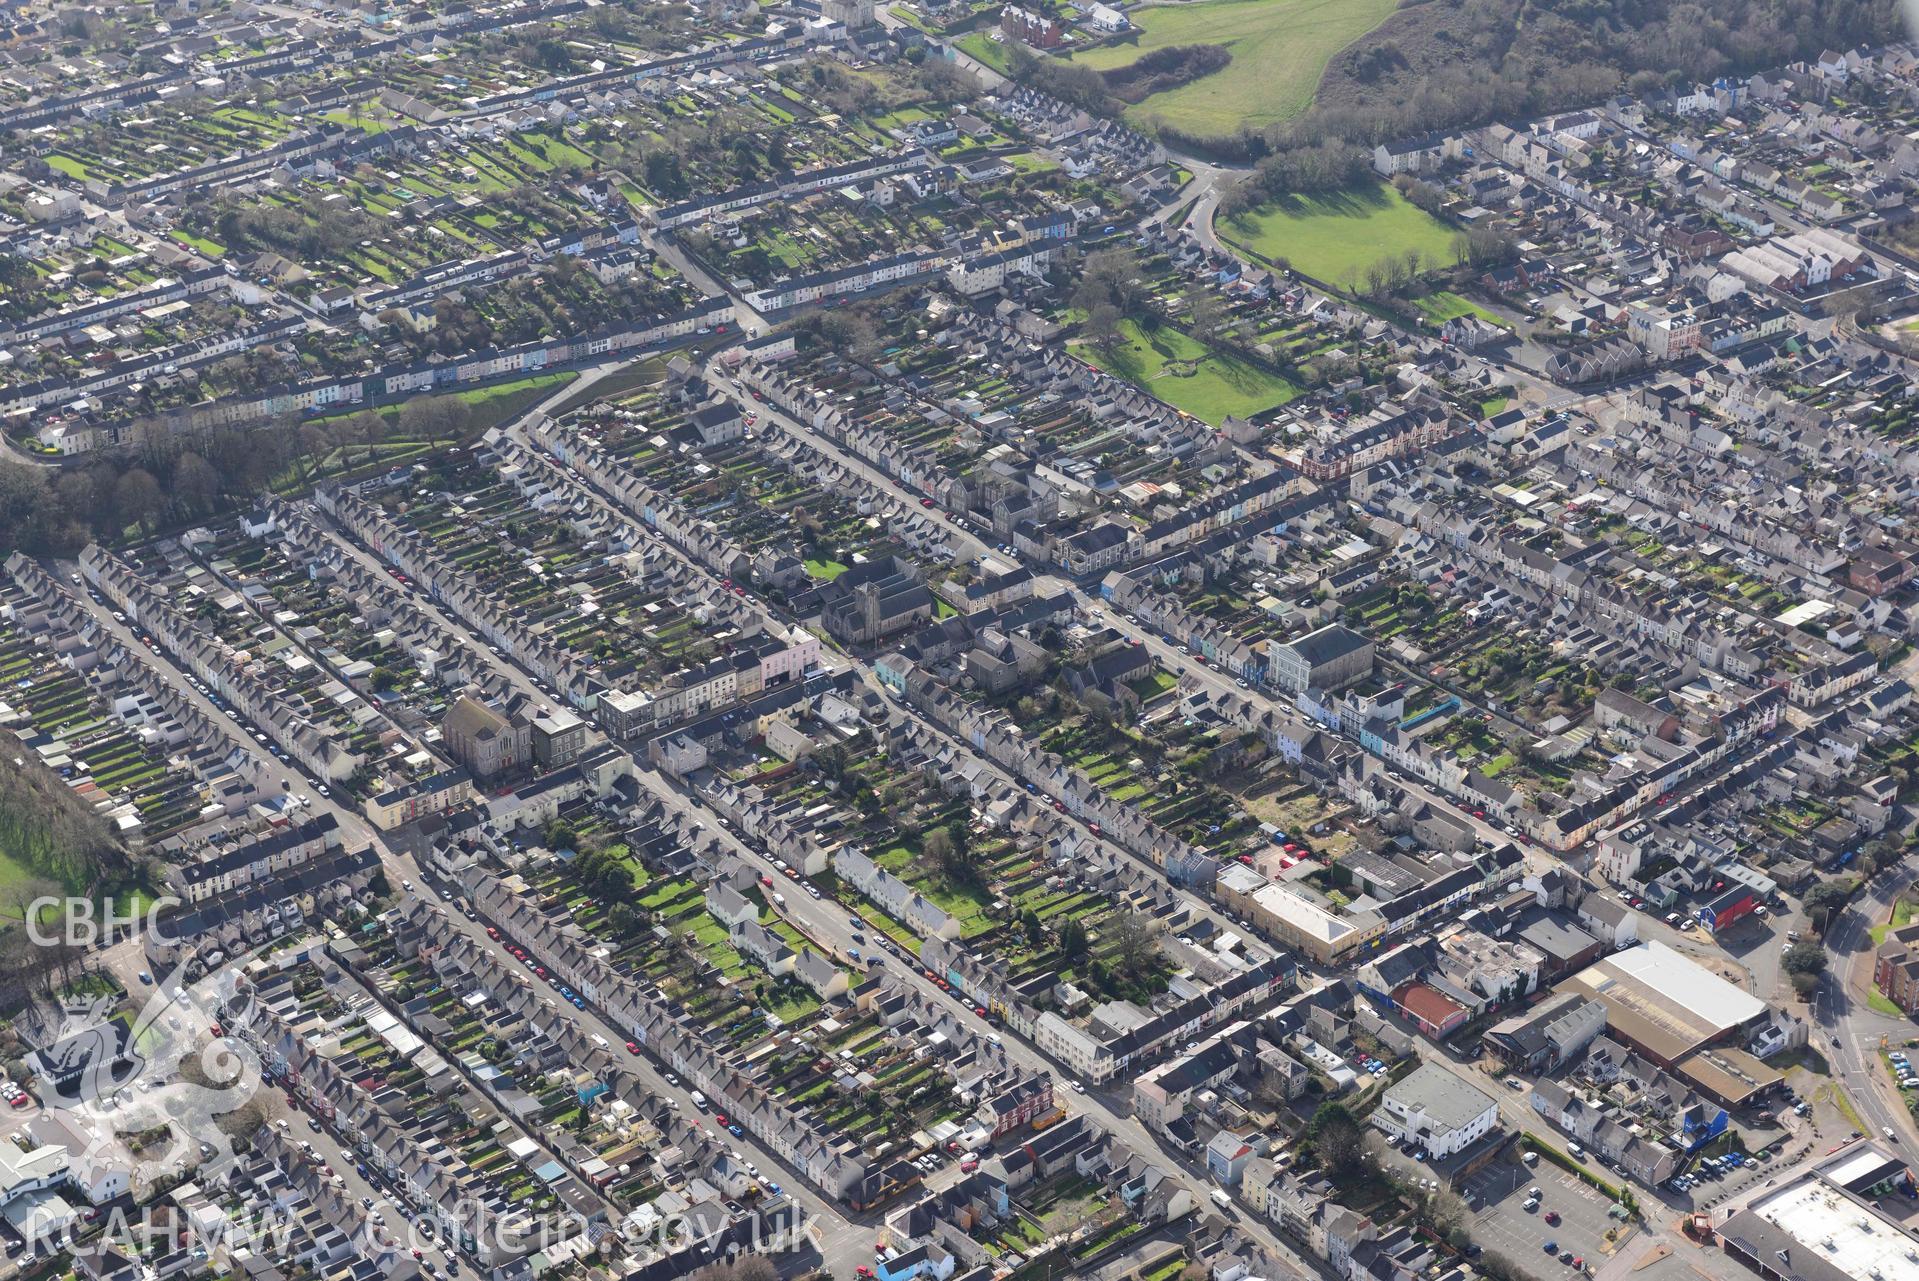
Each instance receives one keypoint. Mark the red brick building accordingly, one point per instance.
(1877, 570)
(1035, 29)
(1895, 968)
(1020, 1105)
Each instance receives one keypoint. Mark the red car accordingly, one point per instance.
(632, 1047)
(969, 1165)
(766, 880)
(926, 502)
(719, 1118)
(492, 933)
(1552, 1216)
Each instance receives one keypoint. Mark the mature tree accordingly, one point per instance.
(137, 498)
(852, 331)
(1338, 1140)
(1877, 855)
(937, 845)
(1804, 957)
(947, 81)
(955, 859)
(196, 483)
(1824, 900)
(354, 429)
(316, 442)
(1102, 324)
(1114, 275)
(433, 418)
(19, 899)
(1205, 315)
(1135, 940)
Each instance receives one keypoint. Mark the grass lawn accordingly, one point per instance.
(641, 373)
(1151, 687)
(1443, 305)
(199, 244)
(479, 396)
(1902, 913)
(1336, 238)
(71, 166)
(13, 872)
(1280, 49)
(826, 569)
(1030, 162)
(987, 50)
(1216, 386)
(489, 406)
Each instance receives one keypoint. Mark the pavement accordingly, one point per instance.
(1849, 1030)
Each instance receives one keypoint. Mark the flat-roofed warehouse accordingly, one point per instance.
(1666, 1006)
(1826, 1226)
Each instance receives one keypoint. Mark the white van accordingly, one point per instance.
(1221, 1199)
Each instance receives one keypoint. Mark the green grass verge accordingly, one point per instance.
(1836, 1094)
(1547, 1152)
